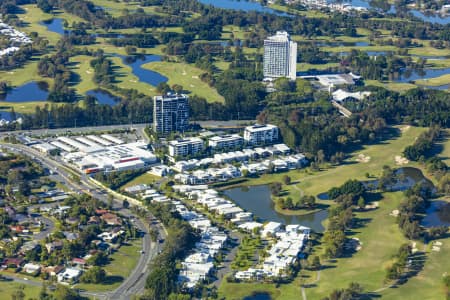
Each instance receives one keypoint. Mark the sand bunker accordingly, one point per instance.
(362, 158)
(394, 213)
(374, 205)
(353, 244)
(399, 160)
(436, 246)
(405, 128)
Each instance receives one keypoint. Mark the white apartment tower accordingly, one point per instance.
(280, 56)
(261, 134)
(170, 113)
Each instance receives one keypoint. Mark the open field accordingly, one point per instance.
(25, 107)
(238, 32)
(428, 51)
(437, 81)
(307, 13)
(122, 263)
(187, 76)
(144, 178)
(360, 48)
(306, 66)
(7, 288)
(119, 8)
(393, 86)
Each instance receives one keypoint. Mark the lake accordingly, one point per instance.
(257, 199)
(243, 5)
(144, 75)
(31, 91)
(104, 97)
(438, 214)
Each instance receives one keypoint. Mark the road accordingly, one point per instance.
(135, 283)
(139, 128)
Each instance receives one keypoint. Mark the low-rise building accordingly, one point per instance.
(70, 275)
(261, 134)
(233, 141)
(185, 147)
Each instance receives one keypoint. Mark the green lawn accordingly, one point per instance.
(444, 146)
(187, 76)
(427, 285)
(238, 32)
(122, 263)
(22, 75)
(7, 288)
(313, 183)
(437, 81)
(32, 18)
(360, 48)
(127, 80)
(380, 239)
(306, 66)
(84, 74)
(393, 86)
(144, 178)
(428, 51)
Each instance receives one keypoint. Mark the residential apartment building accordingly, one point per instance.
(170, 113)
(232, 141)
(185, 147)
(261, 134)
(280, 56)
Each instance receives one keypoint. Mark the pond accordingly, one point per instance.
(144, 75)
(409, 177)
(31, 91)
(438, 214)
(104, 97)
(257, 199)
(8, 116)
(408, 75)
(259, 296)
(243, 5)
(55, 25)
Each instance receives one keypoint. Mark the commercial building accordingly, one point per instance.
(91, 159)
(280, 56)
(232, 141)
(185, 147)
(261, 134)
(170, 113)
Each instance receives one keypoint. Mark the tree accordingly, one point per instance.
(275, 188)
(93, 275)
(125, 204)
(64, 292)
(315, 263)
(361, 202)
(286, 180)
(18, 294)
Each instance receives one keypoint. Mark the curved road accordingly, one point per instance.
(135, 283)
